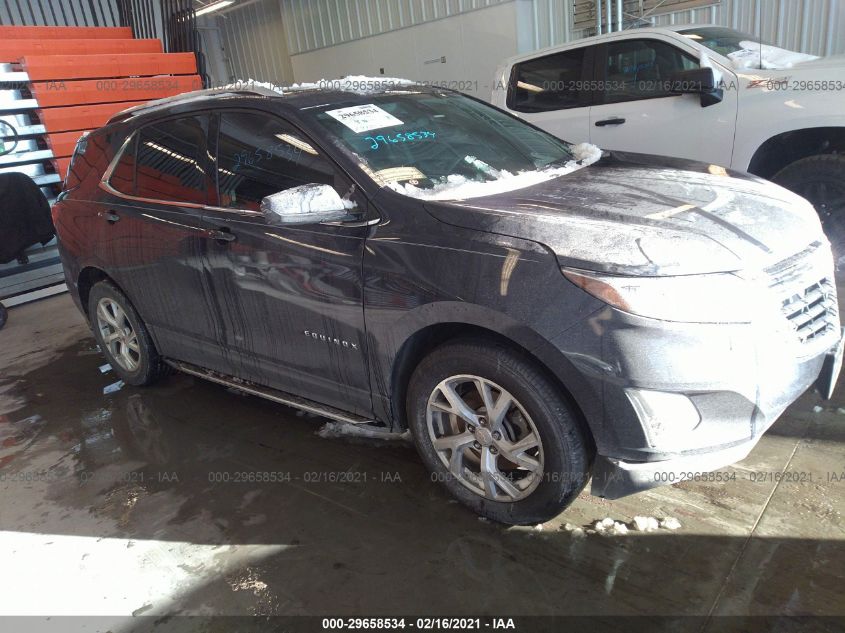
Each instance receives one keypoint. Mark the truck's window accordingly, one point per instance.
(169, 167)
(553, 82)
(258, 155)
(122, 178)
(641, 69)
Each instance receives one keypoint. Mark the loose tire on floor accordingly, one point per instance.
(122, 336)
(476, 411)
(821, 180)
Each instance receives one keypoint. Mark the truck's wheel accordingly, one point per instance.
(497, 432)
(821, 180)
(122, 336)
(3, 315)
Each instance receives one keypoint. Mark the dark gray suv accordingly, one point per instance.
(395, 255)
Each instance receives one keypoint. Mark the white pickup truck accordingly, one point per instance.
(706, 93)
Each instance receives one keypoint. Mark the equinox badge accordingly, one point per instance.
(330, 339)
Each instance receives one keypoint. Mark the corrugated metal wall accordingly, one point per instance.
(313, 24)
(59, 13)
(810, 26)
(254, 45)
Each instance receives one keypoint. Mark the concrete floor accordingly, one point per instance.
(108, 505)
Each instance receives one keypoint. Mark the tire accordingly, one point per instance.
(552, 473)
(821, 180)
(4, 315)
(146, 365)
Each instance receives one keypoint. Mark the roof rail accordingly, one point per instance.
(185, 97)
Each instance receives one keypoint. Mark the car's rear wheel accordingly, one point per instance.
(821, 180)
(497, 432)
(122, 336)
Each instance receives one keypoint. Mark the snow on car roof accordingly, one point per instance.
(355, 84)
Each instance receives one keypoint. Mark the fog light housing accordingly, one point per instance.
(668, 418)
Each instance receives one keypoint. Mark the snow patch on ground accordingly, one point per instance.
(575, 530)
(645, 524)
(670, 523)
(609, 527)
(334, 430)
(766, 57)
(457, 187)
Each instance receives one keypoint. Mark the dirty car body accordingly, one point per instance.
(678, 308)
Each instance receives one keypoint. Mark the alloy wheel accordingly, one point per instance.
(486, 439)
(118, 334)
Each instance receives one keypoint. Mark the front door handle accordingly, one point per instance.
(222, 236)
(109, 216)
(611, 121)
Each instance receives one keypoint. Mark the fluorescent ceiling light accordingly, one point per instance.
(214, 6)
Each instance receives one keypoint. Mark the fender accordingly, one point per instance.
(388, 360)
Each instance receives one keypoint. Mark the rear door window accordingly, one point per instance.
(259, 155)
(553, 82)
(170, 160)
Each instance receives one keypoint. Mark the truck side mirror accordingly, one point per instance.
(700, 81)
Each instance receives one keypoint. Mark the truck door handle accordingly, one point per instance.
(109, 216)
(611, 121)
(222, 236)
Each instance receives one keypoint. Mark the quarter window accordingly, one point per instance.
(553, 82)
(123, 176)
(169, 161)
(641, 69)
(259, 155)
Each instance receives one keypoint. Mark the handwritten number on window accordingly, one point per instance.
(382, 140)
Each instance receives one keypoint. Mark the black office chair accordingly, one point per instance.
(24, 220)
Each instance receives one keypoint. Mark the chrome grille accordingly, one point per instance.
(805, 287)
(813, 312)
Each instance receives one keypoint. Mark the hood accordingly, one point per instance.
(636, 214)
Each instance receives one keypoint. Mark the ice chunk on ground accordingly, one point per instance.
(575, 530)
(331, 430)
(766, 57)
(610, 527)
(818, 409)
(113, 388)
(645, 524)
(670, 523)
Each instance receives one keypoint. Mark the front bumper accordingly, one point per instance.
(725, 414)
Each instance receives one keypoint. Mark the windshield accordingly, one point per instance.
(722, 40)
(428, 143)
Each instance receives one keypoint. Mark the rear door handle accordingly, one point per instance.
(612, 121)
(222, 236)
(109, 216)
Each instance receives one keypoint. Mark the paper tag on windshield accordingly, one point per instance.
(364, 117)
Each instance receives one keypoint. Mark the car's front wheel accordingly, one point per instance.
(122, 336)
(821, 180)
(497, 432)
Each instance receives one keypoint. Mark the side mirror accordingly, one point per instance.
(306, 204)
(700, 81)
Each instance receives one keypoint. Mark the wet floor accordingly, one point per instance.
(190, 498)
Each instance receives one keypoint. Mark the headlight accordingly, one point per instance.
(712, 298)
